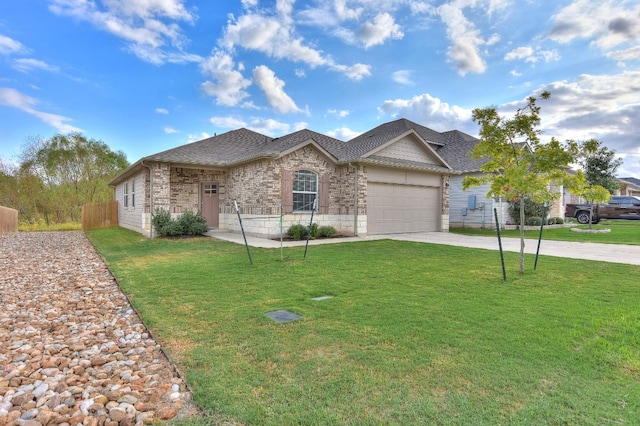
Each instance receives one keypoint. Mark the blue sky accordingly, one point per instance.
(148, 75)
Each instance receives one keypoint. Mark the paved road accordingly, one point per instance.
(616, 253)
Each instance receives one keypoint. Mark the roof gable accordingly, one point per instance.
(408, 146)
(328, 146)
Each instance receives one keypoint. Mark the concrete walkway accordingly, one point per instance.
(615, 253)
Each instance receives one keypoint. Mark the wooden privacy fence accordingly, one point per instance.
(8, 220)
(99, 215)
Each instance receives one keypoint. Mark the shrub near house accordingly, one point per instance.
(188, 224)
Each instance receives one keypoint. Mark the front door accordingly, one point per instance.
(209, 203)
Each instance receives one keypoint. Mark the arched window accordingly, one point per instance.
(305, 190)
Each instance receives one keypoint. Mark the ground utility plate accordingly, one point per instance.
(283, 316)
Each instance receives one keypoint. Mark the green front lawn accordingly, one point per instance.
(414, 334)
(622, 232)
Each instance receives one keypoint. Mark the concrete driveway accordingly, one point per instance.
(615, 253)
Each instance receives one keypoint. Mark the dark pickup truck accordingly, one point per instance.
(618, 207)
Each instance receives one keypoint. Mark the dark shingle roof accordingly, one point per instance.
(456, 151)
(238, 146)
(220, 150)
(632, 180)
(382, 134)
(242, 145)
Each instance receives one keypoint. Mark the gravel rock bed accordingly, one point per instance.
(72, 349)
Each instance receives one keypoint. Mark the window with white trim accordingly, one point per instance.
(133, 193)
(305, 190)
(125, 197)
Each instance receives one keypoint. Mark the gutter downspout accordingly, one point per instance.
(150, 197)
(355, 200)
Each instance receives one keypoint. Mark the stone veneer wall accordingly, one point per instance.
(444, 214)
(257, 188)
(185, 187)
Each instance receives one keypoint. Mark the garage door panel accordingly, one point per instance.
(395, 208)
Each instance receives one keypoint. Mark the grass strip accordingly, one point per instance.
(622, 232)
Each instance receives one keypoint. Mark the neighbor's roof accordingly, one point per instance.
(632, 180)
(456, 151)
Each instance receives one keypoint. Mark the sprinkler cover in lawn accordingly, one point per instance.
(283, 316)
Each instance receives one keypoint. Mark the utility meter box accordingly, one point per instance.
(464, 211)
(471, 203)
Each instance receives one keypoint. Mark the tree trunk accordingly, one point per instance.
(521, 270)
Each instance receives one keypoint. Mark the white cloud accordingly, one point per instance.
(380, 30)
(529, 54)
(28, 64)
(625, 55)
(150, 27)
(198, 137)
(228, 122)
(345, 13)
(522, 52)
(267, 126)
(422, 7)
(404, 77)
(355, 72)
(343, 133)
(230, 83)
(429, 110)
(268, 35)
(466, 39)
(273, 89)
(14, 99)
(608, 23)
(338, 113)
(9, 45)
(604, 107)
(249, 3)
(163, 111)
(270, 127)
(274, 35)
(170, 130)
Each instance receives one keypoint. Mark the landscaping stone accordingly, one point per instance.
(72, 349)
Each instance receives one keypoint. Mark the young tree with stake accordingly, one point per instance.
(518, 165)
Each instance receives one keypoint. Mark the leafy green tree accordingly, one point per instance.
(518, 165)
(66, 171)
(594, 194)
(599, 165)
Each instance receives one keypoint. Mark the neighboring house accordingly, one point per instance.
(394, 178)
(629, 186)
(470, 208)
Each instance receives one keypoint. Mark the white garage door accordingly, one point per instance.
(394, 208)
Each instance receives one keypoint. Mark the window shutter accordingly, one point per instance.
(287, 191)
(323, 194)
